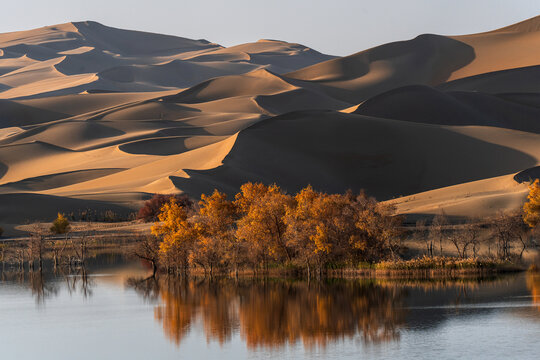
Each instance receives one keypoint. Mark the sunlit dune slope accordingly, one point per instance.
(97, 117)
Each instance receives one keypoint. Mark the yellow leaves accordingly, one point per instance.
(173, 227)
(320, 239)
(262, 209)
(60, 225)
(264, 223)
(531, 208)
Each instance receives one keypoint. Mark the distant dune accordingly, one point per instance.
(97, 117)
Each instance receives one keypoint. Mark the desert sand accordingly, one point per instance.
(97, 117)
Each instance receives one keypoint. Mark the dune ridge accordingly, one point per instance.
(92, 115)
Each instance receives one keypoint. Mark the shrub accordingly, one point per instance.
(60, 225)
(151, 208)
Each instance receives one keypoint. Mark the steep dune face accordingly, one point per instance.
(334, 151)
(93, 116)
(427, 59)
(520, 80)
(427, 105)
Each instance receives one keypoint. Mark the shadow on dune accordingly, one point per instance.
(21, 207)
(424, 104)
(334, 152)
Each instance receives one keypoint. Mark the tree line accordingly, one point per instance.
(264, 226)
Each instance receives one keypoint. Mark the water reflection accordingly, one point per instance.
(275, 312)
(533, 283)
(263, 314)
(45, 285)
(271, 313)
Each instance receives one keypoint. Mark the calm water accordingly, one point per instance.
(114, 313)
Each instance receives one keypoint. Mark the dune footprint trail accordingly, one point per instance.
(97, 117)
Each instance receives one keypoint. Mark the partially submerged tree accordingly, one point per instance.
(148, 250)
(36, 248)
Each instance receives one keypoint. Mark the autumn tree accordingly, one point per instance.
(531, 208)
(378, 226)
(262, 209)
(177, 234)
(264, 224)
(317, 229)
(215, 226)
(340, 227)
(60, 225)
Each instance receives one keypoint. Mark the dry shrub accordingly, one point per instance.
(151, 208)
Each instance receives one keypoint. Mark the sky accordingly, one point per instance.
(337, 27)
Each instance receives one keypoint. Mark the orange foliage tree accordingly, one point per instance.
(177, 235)
(262, 209)
(320, 227)
(264, 224)
(531, 208)
(216, 244)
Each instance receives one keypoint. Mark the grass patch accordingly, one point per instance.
(448, 263)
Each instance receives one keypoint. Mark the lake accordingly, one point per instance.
(116, 312)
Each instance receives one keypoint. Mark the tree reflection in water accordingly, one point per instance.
(272, 313)
(45, 285)
(533, 283)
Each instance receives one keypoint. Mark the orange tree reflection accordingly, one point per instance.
(272, 313)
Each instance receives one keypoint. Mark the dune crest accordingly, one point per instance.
(95, 116)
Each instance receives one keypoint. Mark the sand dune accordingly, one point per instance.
(76, 57)
(427, 105)
(93, 116)
(427, 59)
(334, 151)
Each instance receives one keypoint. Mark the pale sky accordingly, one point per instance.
(338, 27)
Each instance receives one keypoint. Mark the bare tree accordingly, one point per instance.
(148, 250)
(36, 248)
(80, 246)
(506, 228)
(437, 229)
(422, 232)
(464, 237)
(471, 231)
